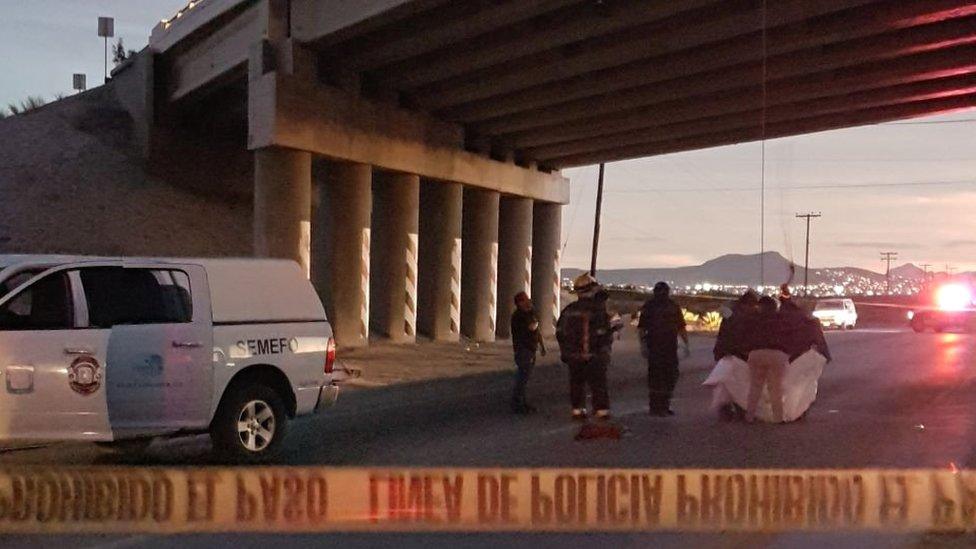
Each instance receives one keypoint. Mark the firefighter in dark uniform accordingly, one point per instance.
(585, 335)
(661, 324)
(526, 342)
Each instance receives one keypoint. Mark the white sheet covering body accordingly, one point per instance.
(730, 382)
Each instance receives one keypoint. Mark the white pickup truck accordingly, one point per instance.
(110, 350)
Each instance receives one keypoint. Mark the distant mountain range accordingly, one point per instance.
(743, 270)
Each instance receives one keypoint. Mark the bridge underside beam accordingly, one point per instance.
(558, 83)
(331, 22)
(290, 112)
(219, 57)
(915, 49)
(456, 21)
(753, 131)
(720, 34)
(712, 117)
(720, 38)
(887, 85)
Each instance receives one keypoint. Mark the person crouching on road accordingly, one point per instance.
(585, 336)
(803, 331)
(661, 324)
(732, 333)
(767, 359)
(526, 342)
(732, 340)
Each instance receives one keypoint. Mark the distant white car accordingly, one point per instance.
(836, 313)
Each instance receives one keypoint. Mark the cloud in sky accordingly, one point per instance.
(879, 245)
(45, 41)
(904, 187)
(961, 244)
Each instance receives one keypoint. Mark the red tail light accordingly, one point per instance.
(330, 356)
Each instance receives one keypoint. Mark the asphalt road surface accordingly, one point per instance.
(890, 398)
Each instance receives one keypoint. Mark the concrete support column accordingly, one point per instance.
(393, 284)
(546, 277)
(282, 204)
(340, 247)
(514, 257)
(439, 291)
(479, 264)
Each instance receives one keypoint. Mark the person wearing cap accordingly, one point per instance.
(526, 342)
(661, 324)
(585, 336)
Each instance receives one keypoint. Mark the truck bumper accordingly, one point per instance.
(328, 394)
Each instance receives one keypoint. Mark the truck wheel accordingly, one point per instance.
(250, 424)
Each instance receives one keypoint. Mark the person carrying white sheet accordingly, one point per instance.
(767, 336)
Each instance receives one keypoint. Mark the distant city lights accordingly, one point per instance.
(834, 283)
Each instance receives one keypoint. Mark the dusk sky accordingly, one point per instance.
(907, 186)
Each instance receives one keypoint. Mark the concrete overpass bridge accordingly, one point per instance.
(408, 151)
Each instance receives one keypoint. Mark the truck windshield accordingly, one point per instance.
(829, 305)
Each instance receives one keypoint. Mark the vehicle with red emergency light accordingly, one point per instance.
(121, 350)
(946, 304)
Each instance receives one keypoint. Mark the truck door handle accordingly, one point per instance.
(77, 351)
(187, 344)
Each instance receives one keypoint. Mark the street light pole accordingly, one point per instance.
(806, 259)
(106, 29)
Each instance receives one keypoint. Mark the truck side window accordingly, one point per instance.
(44, 305)
(136, 296)
(16, 280)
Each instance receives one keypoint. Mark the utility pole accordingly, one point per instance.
(887, 257)
(925, 270)
(806, 260)
(596, 221)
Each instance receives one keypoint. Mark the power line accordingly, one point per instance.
(762, 120)
(927, 122)
(572, 218)
(800, 187)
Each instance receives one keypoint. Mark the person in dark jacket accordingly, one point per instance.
(731, 340)
(767, 346)
(526, 342)
(802, 331)
(661, 324)
(585, 336)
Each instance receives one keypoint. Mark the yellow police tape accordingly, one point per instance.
(293, 499)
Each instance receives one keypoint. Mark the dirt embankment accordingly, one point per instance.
(72, 180)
